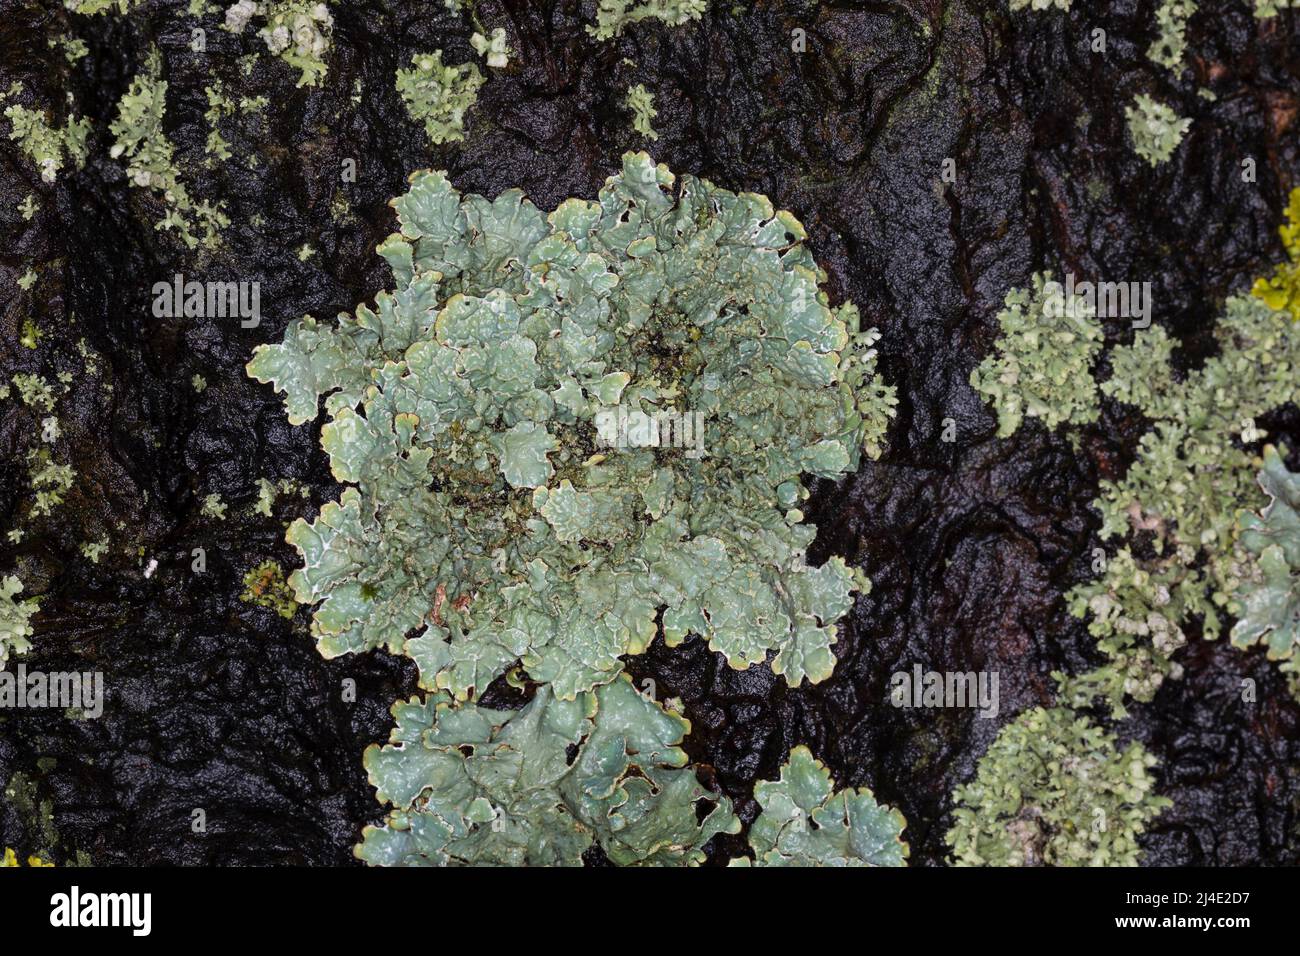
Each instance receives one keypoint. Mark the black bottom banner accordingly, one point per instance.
(361, 908)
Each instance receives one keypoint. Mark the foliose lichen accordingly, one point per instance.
(806, 822)
(1041, 366)
(1017, 5)
(140, 139)
(15, 618)
(439, 95)
(614, 16)
(1181, 496)
(1171, 33)
(494, 49)
(46, 146)
(1269, 593)
(1156, 129)
(538, 786)
(1054, 790)
(558, 427)
(299, 32)
(641, 103)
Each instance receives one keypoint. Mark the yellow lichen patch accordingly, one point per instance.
(1282, 290)
(10, 858)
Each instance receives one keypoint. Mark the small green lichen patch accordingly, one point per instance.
(213, 507)
(299, 32)
(1054, 790)
(641, 103)
(1271, 8)
(1017, 5)
(266, 587)
(15, 619)
(439, 95)
(140, 140)
(1171, 33)
(1156, 129)
(95, 7)
(494, 49)
(1042, 363)
(614, 16)
(46, 146)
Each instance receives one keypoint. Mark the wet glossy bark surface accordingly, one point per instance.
(971, 544)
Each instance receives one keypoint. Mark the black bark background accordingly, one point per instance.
(216, 704)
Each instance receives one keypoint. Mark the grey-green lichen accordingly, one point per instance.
(641, 103)
(45, 145)
(1156, 129)
(613, 16)
(1182, 496)
(538, 786)
(299, 32)
(1054, 790)
(806, 822)
(439, 95)
(94, 7)
(492, 508)
(139, 138)
(35, 391)
(15, 619)
(1271, 8)
(494, 49)
(74, 48)
(94, 550)
(50, 481)
(1041, 365)
(213, 507)
(1269, 593)
(1040, 4)
(1171, 37)
(221, 107)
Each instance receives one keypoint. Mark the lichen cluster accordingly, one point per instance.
(1156, 129)
(1054, 790)
(1181, 496)
(15, 619)
(1017, 5)
(265, 586)
(140, 140)
(48, 147)
(299, 32)
(1171, 33)
(491, 530)
(614, 16)
(1269, 593)
(439, 95)
(806, 822)
(641, 103)
(1041, 365)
